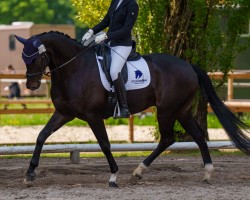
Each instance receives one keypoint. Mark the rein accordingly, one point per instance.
(29, 76)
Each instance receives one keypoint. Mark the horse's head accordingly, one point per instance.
(36, 60)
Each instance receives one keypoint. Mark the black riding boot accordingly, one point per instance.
(122, 98)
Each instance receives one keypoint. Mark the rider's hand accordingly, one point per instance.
(100, 38)
(87, 35)
(6, 88)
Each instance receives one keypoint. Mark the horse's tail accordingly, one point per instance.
(228, 120)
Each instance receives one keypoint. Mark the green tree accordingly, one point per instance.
(91, 12)
(36, 11)
(40, 12)
(63, 11)
(206, 33)
(149, 29)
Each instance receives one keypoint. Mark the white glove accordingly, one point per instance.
(87, 35)
(6, 88)
(100, 38)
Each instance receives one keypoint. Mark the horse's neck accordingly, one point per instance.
(63, 51)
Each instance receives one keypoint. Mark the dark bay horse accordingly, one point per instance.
(77, 92)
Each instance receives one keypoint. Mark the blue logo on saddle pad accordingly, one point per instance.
(138, 74)
(139, 77)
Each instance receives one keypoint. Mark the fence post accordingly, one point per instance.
(75, 157)
(48, 84)
(131, 128)
(230, 88)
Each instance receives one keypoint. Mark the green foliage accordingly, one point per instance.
(24, 10)
(63, 12)
(42, 119)
(41, 12)
(24, 120)
(91, 12)
(149, 29)
(37, 11)
(214, 33)
(149, 120)
(213, 122)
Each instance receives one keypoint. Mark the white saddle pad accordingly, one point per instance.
(138, 75)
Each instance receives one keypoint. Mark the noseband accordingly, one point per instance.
(34, 75)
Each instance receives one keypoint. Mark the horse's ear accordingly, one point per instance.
(37, 43)
(20, 39)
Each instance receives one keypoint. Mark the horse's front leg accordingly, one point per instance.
(98, 128)
(56, 121)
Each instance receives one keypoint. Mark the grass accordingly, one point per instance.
(149, 120)
(42, 119)
(213, 122)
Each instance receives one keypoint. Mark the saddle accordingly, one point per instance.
(103, 53)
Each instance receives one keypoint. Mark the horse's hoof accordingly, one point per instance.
(30, 177)
(134, 179)
(113, 185)
(206, 181)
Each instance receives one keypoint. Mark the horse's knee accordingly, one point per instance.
(105, 148)
(167, 141)
(200, 137)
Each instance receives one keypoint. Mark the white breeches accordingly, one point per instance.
(119, 55)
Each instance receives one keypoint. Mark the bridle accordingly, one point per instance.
(34, 75)
(42, 51)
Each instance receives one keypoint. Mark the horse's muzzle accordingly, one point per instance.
(33, 85)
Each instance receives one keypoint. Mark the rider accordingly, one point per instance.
(120, 19)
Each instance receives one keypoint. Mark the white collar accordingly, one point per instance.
(120, 1)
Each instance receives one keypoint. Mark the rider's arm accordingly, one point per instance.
(102, 25)
(128, 24)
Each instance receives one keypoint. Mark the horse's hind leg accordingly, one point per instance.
(166, 124)
(56, 121)
(191, 126)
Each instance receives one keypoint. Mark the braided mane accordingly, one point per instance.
(60, 33)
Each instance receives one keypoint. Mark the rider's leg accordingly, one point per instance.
(119, 56)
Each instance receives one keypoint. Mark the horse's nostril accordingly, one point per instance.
(32, 88)
(32, 85)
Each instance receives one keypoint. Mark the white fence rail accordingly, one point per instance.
(75, 149)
